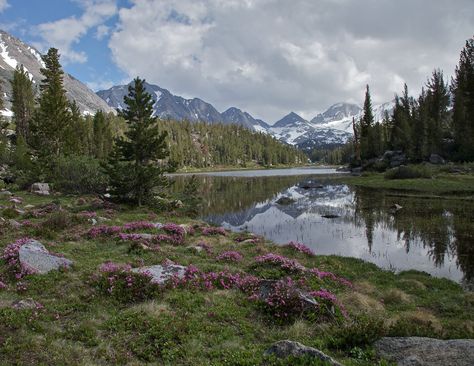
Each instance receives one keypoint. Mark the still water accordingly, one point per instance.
(431, 235)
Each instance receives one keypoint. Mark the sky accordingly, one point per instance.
(267, 57)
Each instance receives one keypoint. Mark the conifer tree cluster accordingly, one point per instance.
(440, 121)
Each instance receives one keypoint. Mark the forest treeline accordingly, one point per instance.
(53, 141)
(439, 121)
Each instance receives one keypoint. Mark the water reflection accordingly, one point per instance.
(429, 235)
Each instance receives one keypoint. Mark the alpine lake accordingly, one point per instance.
(397, 232)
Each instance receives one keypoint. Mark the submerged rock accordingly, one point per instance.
(330, 216)
(33, 255)
(286, 348)
(420, 351)
(162, 273)
(285, 201)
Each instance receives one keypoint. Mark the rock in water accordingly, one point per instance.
(41, 189)
(285, 201)
(162, 273)
(420, 351)
(286, 348)
(33, 255)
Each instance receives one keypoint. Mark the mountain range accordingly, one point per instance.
(328, 129)
(14, 52)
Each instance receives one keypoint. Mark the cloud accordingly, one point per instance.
(102, 32)
(3, 5)
(273, 56)
(65, 33)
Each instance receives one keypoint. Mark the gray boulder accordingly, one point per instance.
(420, 351)
(28, 303)
(5, 193)
(286, 348)
(436, 159)
(41, 189)
(160, 274)
(35, 256)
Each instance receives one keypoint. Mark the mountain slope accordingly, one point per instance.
(169, 106)
(14, 52)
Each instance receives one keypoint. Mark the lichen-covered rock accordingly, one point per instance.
(41, 189)
(286, 348)
(28, 303)
(420, 351)
(34, 256)
(160, 274)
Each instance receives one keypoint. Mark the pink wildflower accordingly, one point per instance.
(300, 247)
(230, 256)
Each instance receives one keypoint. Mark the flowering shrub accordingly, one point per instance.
(87, 214)
(175, 233)
(119, 282)
(138, 225)
(330, 300)
(104, 230)
(284, 263)
(211, 231)
(2, 285)
(12, 259)
(230, 256)
(300, 247)
(323, 275)
(207, 247)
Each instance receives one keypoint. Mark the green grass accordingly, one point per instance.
(440, 184)
(81, 326)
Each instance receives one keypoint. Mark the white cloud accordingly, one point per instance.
(66, 32)
(102, 31)
(272, 56)
(4, 5)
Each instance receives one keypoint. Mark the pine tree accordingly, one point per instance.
(3, 132)
(133, 167)
(102, 136)
(401, 122)
(462, 89)
(53, 116)
(23, 102)
(437, 103)
(366, 125)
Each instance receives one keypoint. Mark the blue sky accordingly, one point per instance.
(267, 57)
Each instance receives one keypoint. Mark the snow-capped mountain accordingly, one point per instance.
(235, 115)
(295, 130)
(168, 105)
(14, 52)
(337, 112)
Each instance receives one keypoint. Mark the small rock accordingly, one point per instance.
(16, 200)
(162, 273)
(28, 207)
(286, 348)
(35, 256)
(41, 189)
(5, 193)
(93, 221)
(14, 224)
(196, 248)
(436, 159)
(285, 201)
(28, 303)
(395, 207)
(422, 351)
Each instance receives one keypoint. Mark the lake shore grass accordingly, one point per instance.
(441, 183)
(229, 168)
(78, 324)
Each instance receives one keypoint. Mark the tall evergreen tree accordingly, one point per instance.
(3, 128)
(53, 116)
(102, 136)
(367, 138)
(401, 122)
(133, 167)
(437, 103)
(23, 102)
(462, 89)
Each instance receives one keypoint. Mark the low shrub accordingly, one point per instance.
(409, 172)
(78, 175)
(360, 332)
(120, 283)
(230, 256)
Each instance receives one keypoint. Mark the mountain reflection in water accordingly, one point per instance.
(431, 235)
